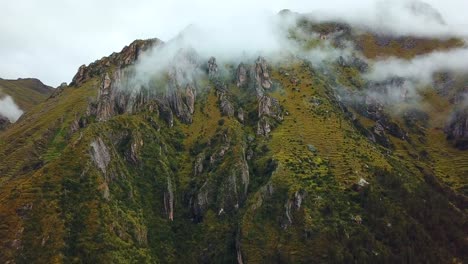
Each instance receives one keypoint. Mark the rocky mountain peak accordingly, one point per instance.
(127, 56)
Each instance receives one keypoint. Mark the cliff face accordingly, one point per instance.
(250, 162)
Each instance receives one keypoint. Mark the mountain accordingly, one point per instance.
(26, 93)
(271, 160)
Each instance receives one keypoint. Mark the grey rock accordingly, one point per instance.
(169, 200)
(212, 68)
(227, 108)
(135, 148)
(100, 154)
(165, 113)
(4, 122)
(268, 106)
(106, 99)
(311, 148)
(236, 185)
(118, 95)
(240, 115)
(263, 127)
(456, 128)
(241, 75)
(200, 202)
(182, 103)
(198, 167)
(262, 75)
(269, 110)
(127, 56)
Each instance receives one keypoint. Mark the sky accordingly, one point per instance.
(50, 39)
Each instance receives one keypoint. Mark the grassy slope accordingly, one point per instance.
(24, 147)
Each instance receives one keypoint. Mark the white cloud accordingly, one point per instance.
(421, 68)
(9, 109)
(49, 39)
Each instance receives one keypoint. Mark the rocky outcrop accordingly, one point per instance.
(106, 97)
(212, 68)
(199, 203)
(265, 193)
(292, 204)
(169, 200)
(4, 122)
(257, 75)
(240, 115)
(456, 128)
(127, 56)
(235, 186)
(198, 167)
(182, 103)
(263, 127)
(81, 75)
(261, 73)
(227, 108)
(165, 113)
(372, 108)
(225, 102)
(137, 143)
(269, 111)
(182, 87)
(241, 75)
(100, 154)
(118, 94)
(77, 124)
(268, 106)
(131, 53)
(372, 105)
(224, 175)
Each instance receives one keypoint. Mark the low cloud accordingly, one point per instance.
(9, 109)
(421, 68)
(29, 47)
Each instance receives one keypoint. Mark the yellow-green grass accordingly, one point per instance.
(348, 153)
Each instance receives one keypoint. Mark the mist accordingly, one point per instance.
(29, 45)
(9, 109)
(421, 68)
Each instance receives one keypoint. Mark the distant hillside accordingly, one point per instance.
(25, 92)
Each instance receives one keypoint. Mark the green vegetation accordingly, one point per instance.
(317, 189)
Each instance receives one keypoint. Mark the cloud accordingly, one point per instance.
(421, 68)
(88, 30)
(9, 109)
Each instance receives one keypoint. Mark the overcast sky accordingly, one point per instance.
(50, 39)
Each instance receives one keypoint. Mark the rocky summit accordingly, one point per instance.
(256, 159)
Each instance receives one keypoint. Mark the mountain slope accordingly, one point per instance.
(222, 162)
